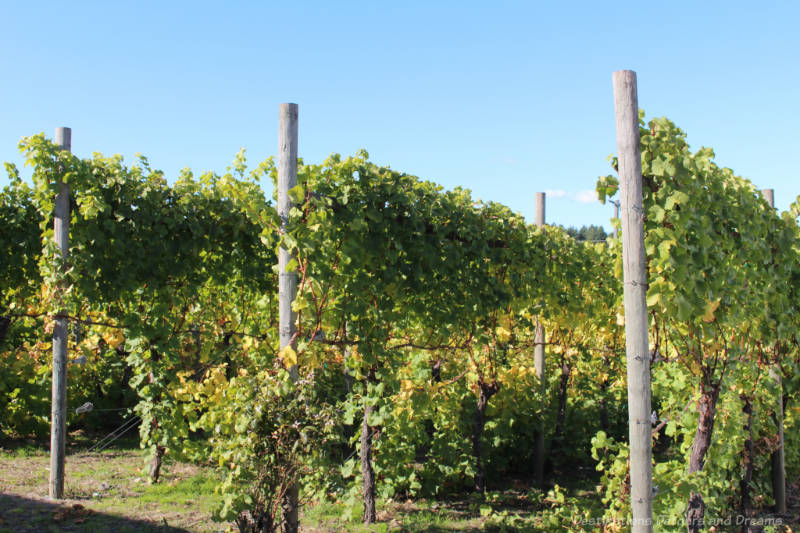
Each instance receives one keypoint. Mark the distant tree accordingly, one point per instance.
(587, 233)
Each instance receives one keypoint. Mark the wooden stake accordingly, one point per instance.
(287, 281)
(778, 456)
(287, 178)
(635, 293)
(58, 412)
(538, 216)
(769, 196)
(539, 365)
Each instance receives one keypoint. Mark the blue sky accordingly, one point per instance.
(503, 98)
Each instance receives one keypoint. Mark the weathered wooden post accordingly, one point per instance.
(778, 456)
(635, 293)
(539, 364)
(769, 196)
(538, 212)
(287, 281)
(58, 409)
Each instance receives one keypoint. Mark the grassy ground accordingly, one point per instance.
(104, 491)
(108, 491)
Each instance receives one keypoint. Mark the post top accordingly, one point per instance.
(64, 138)
(624, 76)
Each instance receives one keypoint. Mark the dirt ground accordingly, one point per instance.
(104, 492)
(109, 492)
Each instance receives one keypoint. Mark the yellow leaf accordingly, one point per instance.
(113, 338)
(502, 334)
(710, 308)
(288, 356)
(219, 377)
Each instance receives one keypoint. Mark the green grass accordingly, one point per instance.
(113, 485)
(192, 491)
(22, 451)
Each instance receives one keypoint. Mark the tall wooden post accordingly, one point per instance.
(538, 211)
(539, 365)
(58, 410)
(778, 456)
(287, 281)
(769, 196)
(635, 292)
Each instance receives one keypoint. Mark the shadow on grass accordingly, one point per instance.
(26, 515)
(452, 515)
(416, 524)
(440, 529)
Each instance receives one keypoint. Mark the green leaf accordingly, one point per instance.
(297, 194)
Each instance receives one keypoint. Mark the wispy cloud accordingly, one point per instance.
(586, 196)
(556, 193)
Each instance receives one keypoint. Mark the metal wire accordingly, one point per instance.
(106, 441)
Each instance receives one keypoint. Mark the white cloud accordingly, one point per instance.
(586, 196)
(556, 193)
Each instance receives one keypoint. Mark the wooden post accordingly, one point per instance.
(778, 456)
(58, 409)
(635, 292)
(287, 281)
(769, 196)
(616, 215)
(287, 178)
(349, 380)
(539, 366)
(538, 212)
